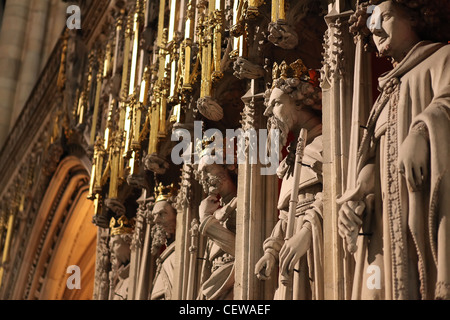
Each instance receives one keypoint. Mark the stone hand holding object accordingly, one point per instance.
(353, 206)
(293, 249)
(265, 266)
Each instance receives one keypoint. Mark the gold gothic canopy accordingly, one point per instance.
(154, 89)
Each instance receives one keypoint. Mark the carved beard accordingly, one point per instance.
(275, 123)
(159, 238)
(204, 183)
(211, 185)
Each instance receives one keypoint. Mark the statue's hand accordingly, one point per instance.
(208, 206)
(265, 266)
(413, 160)
(293, 249)
(349, 222)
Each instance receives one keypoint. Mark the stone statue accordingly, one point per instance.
(402, 251)
(121, 235)
(293, 103)
(163, 238)
(218, 224)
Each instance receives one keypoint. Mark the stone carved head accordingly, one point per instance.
(120, 249)
(121, 231)
(390, 25)
(290, 105)
(164, 218)
(213, 170)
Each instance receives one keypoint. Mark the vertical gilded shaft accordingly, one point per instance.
(97, 100)
(281, 10)
(217, 43)
(91, 194)
(274, 13)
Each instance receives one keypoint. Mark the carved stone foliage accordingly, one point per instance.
(184, 196)
(102, 266)
(52, 160)
(333, 53)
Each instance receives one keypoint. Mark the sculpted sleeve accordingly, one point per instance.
(223, 237)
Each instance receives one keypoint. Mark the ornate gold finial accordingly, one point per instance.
(283, 70)
(275, 71)
(121, 225)
(298, 68)
(163, 193)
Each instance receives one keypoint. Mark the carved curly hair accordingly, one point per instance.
(304, 93)
(430, 19)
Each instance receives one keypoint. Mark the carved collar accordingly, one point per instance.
(417, 54)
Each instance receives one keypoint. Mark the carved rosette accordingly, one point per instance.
(398, 236)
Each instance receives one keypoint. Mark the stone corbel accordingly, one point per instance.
(246, 69)
(210, 109)
(155, 163)
(282, 35)
(115, 206)
(138, 181)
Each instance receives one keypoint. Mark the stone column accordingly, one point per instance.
(256, 209)
(2, 11)
(56, 22)
(137, 246)
(340, 141)
(12, 37)
(32, 55)
(188, 202)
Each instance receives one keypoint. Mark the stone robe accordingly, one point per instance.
(405, 250)
(218, 268)
(163, 281)
(307, 282)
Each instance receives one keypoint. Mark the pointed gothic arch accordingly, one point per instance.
(63, 235)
